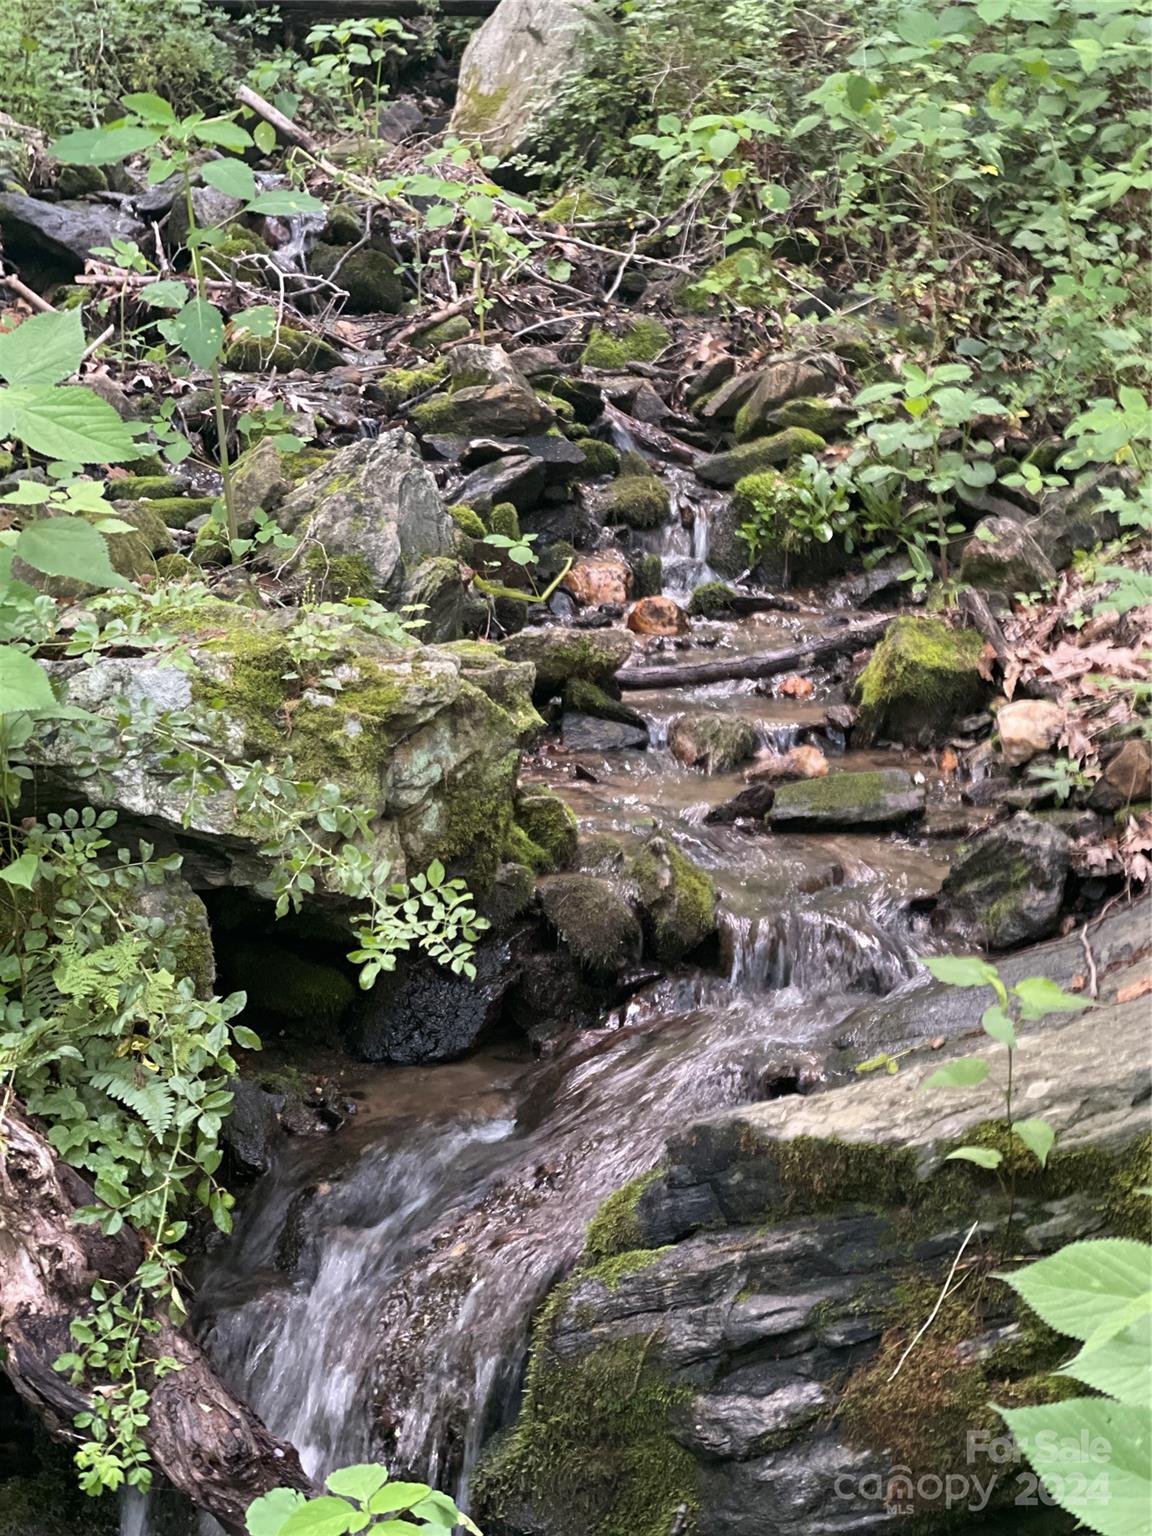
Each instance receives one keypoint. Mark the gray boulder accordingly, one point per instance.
(1002, 556)
(65, 231)
(883, 797)
(1079, 516)
(422, 1012)
(374, 503)
(562, 655)
(1006, 888)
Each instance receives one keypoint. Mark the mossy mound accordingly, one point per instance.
(725, 469)
(234, 256)
(922, 678)
(368, 277)
(175, 568)
(285, 983)
(180, 511)
(640, 501)
(599, 459)
(336, 578)
(550, 824)
(712, 742)
(504, 519)
(469, 522)
(394, 389)
(148, 487)
(593, 920)
(584, 698)
(711, 600)
(642, 342)
(824, 417)
(577, 204)
(677, 899)
(293, 349)
(647, 575)
(342, 226)
(744, 278)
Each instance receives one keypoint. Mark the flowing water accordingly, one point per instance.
(377, 1295)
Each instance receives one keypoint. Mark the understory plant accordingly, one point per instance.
(360, 1498)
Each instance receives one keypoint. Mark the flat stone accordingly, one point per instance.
(1028, 727)
(885, 797)
(1127, 779)
(65, 231)
(587, 733)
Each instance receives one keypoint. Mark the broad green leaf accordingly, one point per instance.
(259, 321)
(998, 1025)
(858, 92)
(285, 201)
(965, 1073)
(24, 684)
(224, 133)
(165, 294)
(983, 1157)
(961, 970)
(28, 493)
(319, 1517)
(66, 421)
(22, 871)
(231, 177)
(1113, 1492)
(265, 136)
(396, 1497)
(44, 349)
(149, 106)
(1038, 1136)
(1120, 1366)
(68, 546)
(198, 330)
(104, 146)
(438, 1511)
(1079, 1288)
(266, 1515)
(1039, 996)
(359, 1482)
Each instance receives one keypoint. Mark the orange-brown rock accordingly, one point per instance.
(783, 767)
(657, 616)
(599, 579)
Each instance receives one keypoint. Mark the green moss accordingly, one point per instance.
(577, 204)
(468, 521)
(392, 389)
(551, 825)
(640, 501)
(293, 349)
(505, 519)
(745, 278)
(585, 698)
(520, 849)
(367, 276)
(175, 568)
(478, 112)
(617, 1227)
(712, 600)
(146, 487)
(79, 180)
(824, 417)
(335, 578)
(477, 800)
(599, 458)
(234, 256)
(647, 575)
(592, 919)
(509, 895)
(441, 417)
(454, 329)
(179, 511)
(838, 791)
(725, 469)
(922, 677)
(678, 900)
(285, 983)
(633, 463)
(642, 342)
(342, 226)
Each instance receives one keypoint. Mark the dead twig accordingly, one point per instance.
(1093, 982)
(939, 1303)
(22, 291)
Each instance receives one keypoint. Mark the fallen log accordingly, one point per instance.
(284, 126)
(788, 658)
(209, 1446)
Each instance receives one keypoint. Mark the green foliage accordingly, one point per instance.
(791, 512)
(361, 1498)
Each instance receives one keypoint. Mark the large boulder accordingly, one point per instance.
(882, 797)
(1002, 556)
(422, 1012)
(790, 377)
(562, 655)
(923, 677)
(500, 409)
(66, 232)
(374, 504)
(1006, 888)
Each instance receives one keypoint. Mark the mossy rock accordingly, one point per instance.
(880, 797)
(712, 600)
(367, 276)
(593, 920)
(647, 575)
(677, 900)
(715, 743)
(283, 982)
(336, 578)
(234, 256)
(824, 417)
(599, 459)
(560, 655)
(132, 554)
(148, 487)
(725, 469)
(580, 203)
(496, 409)
(744, 278)
(504, 519)
(80, 180)
(639, 501)
(294, 349)
(585, 698)
(175, 568)
(456, 328)
(342, 226)
(551, 825)
(922, 678)
(394, 389)
(642, 342)
(469, 522)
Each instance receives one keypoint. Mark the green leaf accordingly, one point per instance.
(1113, 1494)
(858, 92)
(44, 349)
(152, 108)
(961, 970)
(66, 421)
(286, 201)
(69, 546)
(439, 1511)
(359, 1482)
(396, 1497)
(24, 684)
(232, 177)
(1038, 1136)
(319, 1517)
(224, 133)
(998, 1025)
(983, 1157)
(1119, 1366)
(1039, 996)
(248, 1038)
(22, 871)
(265, 136)
(266, 1515)
(965, 1073)
(103, 146)
(165, 294)
(1079, 1288)
(198, 330)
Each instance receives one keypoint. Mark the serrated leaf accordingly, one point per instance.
(1119, 1366)
(319, 1517)
(68, 546)
(965, 1073)
(359, 1482)
(998, 1025)
(1079, 1288)
(197, 330)
(24, 685)
(983, 1157)
(961, 970)
(266, 1515)
(44, 349)
(1053, 1439)
(149, 106)
(224, 133)
(165, 294)
(285, 201)
(66, 421)
(1038, 1136)
(1038, 996)
(232, 177)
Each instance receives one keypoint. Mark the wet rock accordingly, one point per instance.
(885, 797)
(518, 478)
(65, 231)
(1007, 887)
(657, 616)
(1028, 727)
(422, 1012)
(884, 586)
(639, 501)
(1079, 516)
(1002, 556)
(751, 804)
(1126, 780)
(550, 824)
(923, 676)
(514, 67)
(781, 767)
(479, 410)
(252, 1127)
(590, 733)
(592, 919)
(677, 900)
(586, 698)
(560, 655)
(724, 469)
(712, 742)
(733, 1426)
(784, 379)
(368, 277)
(375, 504)
(598, 579)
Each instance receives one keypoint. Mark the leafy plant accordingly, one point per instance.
(360, 1498)
(791, 512)
(1061, 777)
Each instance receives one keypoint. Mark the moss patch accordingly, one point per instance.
(391, 390)
(642, 342)
(293, 349)
(922, 677)
(551, 825)
(592, 919)
(678, 900)
(599, 459)
(469, 522)
(368, 277)
(725, 469)
(640, 501)
(285, 983)
(617, 1227)
(335, 578)
(712, 600)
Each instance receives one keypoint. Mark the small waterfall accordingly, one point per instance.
(814, 950)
